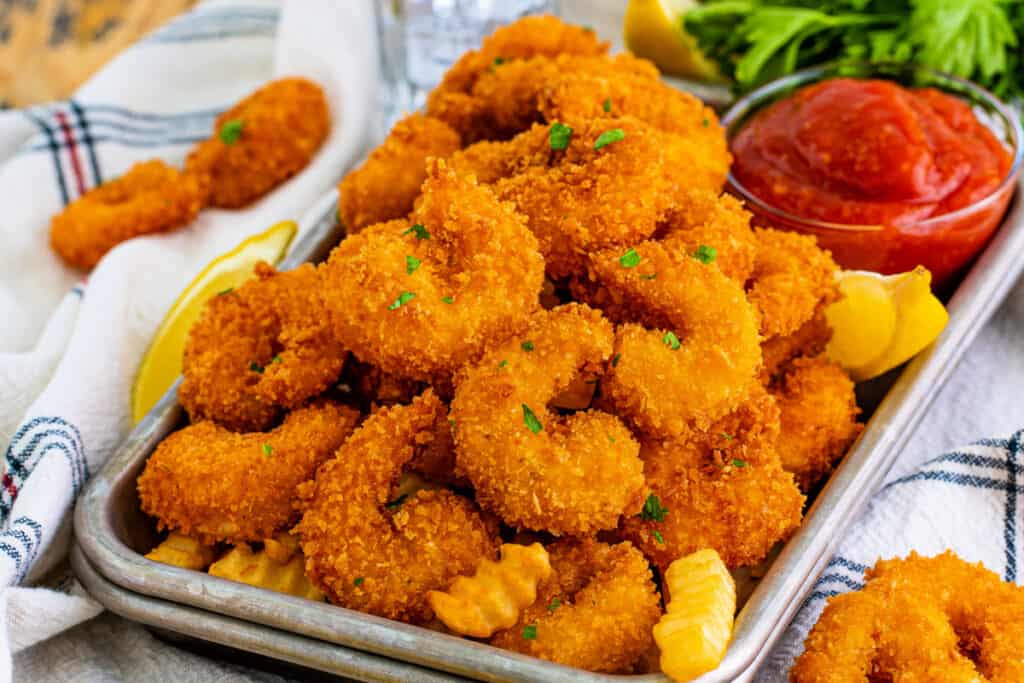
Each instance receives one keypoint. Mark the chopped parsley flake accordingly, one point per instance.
(707, 122)
(559, 136)
(411, 264)
(588, 28)
(397, 502)
(652, 276)
(530, 420)
(448, 299)
(225, 291)
(727, 436)
(502, 363)
(530, 632)
(631, 259)
(358, 581)
(277, 359)
(451, 421)
(231, 131)
(658, 537)
(615, 359)
(653, 510)
(611, 439)
(526, 346)
(671, 340)
(418, 230)
(736, 462)
(608, 137)
(607, 104)
(498, 61)
(705, 254)
(268, 450)
(403, 298)
(555, 604)
(256, 367)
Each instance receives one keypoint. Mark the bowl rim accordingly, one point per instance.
(762, 96)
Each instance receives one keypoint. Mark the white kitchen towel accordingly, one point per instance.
(69, 344)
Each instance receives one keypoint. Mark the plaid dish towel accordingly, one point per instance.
(69, 346)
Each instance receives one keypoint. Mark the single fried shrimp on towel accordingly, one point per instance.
(919, 619)
(571, 474)
(419, 298)
(258, 350)
(688, 349)
(385, 186)
(217, 485)
(379, 555)
(596, 611)
(723, 489)
(151, 197)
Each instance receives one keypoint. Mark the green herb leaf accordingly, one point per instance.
(559, 135)
(225, 291)
(631, 259)
(256, 367)
(652, 276)
(358, 581)
(736, 462)
(705, 254)
(502, 363)
(277, 359)
(615, 359)
(727, 436)
(448, 299)
(671, 341)
(268, 450)
(231, 131)
(526, 346)
(418, 230)
(555, 604)
(397, 502)
(530, 420)
(530, 632)
(707, 122)
(403, 298)
(411, 264)
(653, 510)
(607, 104)
(608, 137)
(658, 537)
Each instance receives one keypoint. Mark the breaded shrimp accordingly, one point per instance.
(571, 474)
(919, 619)
(258, 350)
(388, 182)
(377, 555)
(819, 418)
(689, 349)
(792, 278)
(452, 101)
(595, 198)
(421, 297)
(260, 142)
(491, 161)
(215, 485)
(810, 340)
(723, 489)
(596, 611)
(151, 197)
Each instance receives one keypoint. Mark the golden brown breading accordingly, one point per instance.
(491, 161)
(819, 418)
(810, 340)
(919, 619)
(385, 186)
(259, 349)
(280, 128)
(381, 556)
(151, 197)
(217, 485)
(474, 277)
(594, 612)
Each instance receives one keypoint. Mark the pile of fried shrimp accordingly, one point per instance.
(546, 324)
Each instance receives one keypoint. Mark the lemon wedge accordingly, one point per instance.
(162, 363)
(653, 29)
(883, 320)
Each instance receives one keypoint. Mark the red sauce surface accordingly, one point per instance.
(871, 152)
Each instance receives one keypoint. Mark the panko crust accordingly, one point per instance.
(922, 619)
(607, 607)
(283, 125)
(573, 474)
(475, 277)
(222, 486)
(258, 350)
(387, 184)
(379, 556)
(151, 197)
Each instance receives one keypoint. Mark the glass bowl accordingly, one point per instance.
(945, 243)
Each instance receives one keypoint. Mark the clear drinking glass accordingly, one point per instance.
(420, 39)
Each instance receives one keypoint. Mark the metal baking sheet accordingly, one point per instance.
(113, 532)
(243, 635)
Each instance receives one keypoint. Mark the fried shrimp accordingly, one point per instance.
(491, 160)
(792, 278)
(689, 349)
(258, 350)
(810, 340)
(216, 485)
(596, 611)
(723, 489)
(386, 185)
(919, 618)
(818, 418)
(260, 142)
(419, 298)
(378, 555)
(612, 187)
(571, 474)
(151, 197)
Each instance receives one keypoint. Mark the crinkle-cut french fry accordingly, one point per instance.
(280, 567)
(695, 630)
(492, 599)
(182, 551)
